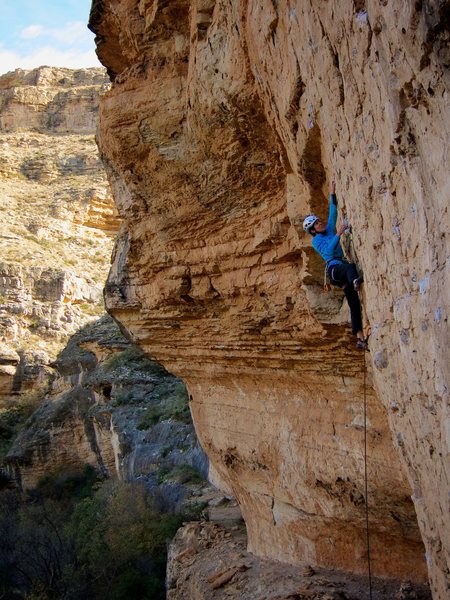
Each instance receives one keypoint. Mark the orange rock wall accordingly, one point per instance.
(223, 128)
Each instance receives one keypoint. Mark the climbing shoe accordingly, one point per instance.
(362, 345)
(358, 282)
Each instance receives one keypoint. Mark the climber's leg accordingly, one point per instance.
(346, 273)
(355, 310)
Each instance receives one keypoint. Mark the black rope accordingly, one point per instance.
(366, 487)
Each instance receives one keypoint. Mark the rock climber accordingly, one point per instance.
(326, 241)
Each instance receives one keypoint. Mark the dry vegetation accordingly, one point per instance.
(57, 213)
(47, 187)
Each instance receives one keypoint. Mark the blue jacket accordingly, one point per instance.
(328, 244)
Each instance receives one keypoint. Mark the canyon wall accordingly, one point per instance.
(224, 126)
(58, 217)
(110, 407)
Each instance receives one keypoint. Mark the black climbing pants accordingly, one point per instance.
(343, 276)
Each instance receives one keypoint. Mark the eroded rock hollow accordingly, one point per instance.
(224, 126)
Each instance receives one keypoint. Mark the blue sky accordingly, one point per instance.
(45, 32)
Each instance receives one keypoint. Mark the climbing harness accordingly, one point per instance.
(346, 247)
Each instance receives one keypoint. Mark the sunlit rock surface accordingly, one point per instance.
(58, 218)
(223, 129)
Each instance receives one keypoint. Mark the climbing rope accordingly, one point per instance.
(350, 255)
(366, 486)
(366, 478)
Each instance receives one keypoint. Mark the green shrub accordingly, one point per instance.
(181, 474)
(195, 510)
(111, 544)
(86, 529)
(123, 397)
(138, 586)
(172, 402)
(118, 531)
(11, 422)
(69, 487)
(132, 358)
(152, 416)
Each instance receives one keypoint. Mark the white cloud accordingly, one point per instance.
(32, 31)
(73, 33)
(49, 56)
(71, 46)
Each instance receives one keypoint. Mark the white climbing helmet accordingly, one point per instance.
(308, 223)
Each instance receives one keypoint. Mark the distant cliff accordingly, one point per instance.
(223, 128)
(110, 407)
(58, 219)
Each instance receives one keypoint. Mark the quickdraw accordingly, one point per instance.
(326, 285)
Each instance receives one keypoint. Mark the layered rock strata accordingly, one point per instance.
(223, 128)
(50, 99)
(57, 214)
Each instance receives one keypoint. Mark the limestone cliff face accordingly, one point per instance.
(51, 99)
(223, 128)
(57, 214)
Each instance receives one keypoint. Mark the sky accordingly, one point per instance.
(45, 32)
